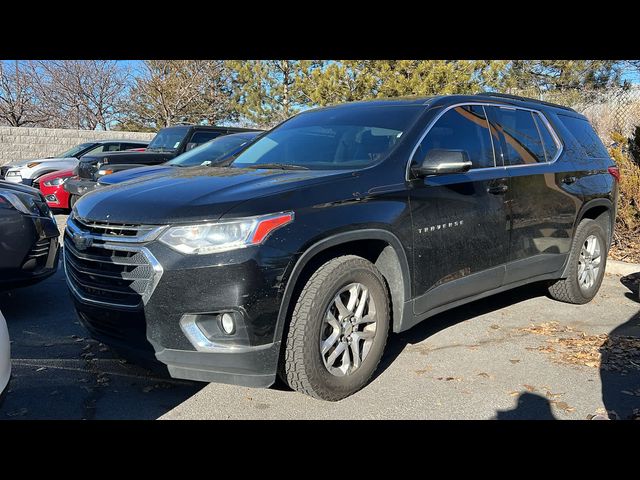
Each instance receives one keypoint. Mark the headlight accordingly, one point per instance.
(105, 171)
(33, 164)
(23, 204)
(222, 236)
(55, 182)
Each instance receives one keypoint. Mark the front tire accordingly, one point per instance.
(338, 329)
(587, 263)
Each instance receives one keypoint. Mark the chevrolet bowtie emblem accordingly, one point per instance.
(81, 241)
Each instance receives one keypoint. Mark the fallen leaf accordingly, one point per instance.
(514, 361)
(530, 388)
(514, 394)
(484, 374)
(495, 327)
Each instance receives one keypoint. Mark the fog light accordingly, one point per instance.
(227, 323)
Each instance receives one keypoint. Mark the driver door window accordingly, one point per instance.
(461, 128)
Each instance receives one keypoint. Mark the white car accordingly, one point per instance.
(29, 172)
(5, 354)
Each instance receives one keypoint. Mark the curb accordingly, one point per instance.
(616, 267)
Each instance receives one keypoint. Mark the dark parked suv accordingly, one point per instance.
(338, 226)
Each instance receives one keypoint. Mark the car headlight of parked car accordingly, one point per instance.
(56, 182)
(24, 204)
(223, 236)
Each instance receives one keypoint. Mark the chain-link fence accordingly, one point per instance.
(611, 110)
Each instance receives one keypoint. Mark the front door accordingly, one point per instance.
(460, 227)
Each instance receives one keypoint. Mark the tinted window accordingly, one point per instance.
(549, 145)
(112, 147)
(98, 149)
(212, 152)
(129, 146)
(461, 128)
(75, 150)
(202, 137)
(168, 139)
(522, 142)
(353, 136)
(585, 135)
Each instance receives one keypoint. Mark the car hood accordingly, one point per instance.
(18, 187)
(193, 194)
(134, 173)
(23, 163)
(57, 174)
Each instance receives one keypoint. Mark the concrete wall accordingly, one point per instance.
(22, 143)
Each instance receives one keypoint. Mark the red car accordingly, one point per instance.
(51, 187)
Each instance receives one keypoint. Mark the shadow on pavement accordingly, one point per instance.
(620, 362)
(397, 342)
(58, 372)
(530, 406)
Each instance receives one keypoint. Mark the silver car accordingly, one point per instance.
(29, 172)
(5, 356)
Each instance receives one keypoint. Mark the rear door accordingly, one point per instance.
(460, 226)
(543, 198)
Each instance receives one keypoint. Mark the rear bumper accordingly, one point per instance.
(79, 186)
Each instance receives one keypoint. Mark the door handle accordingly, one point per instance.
(498, 189)
(569, 180)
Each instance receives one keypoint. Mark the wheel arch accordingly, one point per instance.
(594, 210)
(390, 259)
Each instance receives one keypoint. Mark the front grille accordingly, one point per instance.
(106, 272)
(114, 230)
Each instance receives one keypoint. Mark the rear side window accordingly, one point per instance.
(549, 144)
(461, 128)
(585, 135)
(522, 142)
(202, 137)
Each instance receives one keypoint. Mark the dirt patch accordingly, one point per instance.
(567, 345)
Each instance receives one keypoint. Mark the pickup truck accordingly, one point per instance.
(168, 143)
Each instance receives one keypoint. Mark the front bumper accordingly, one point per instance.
(29, 249)
(192, 290)
(79, 186)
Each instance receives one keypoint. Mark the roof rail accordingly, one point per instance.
(525, 99)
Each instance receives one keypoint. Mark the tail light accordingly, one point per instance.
(615, 173)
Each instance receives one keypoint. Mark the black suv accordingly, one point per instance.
(168, 143)
(338, 226)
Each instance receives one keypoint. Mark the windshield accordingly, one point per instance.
(335, 138)
(168, 139)
(212, 151)
(75, 150)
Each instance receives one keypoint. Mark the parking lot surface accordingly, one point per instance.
(517, 355)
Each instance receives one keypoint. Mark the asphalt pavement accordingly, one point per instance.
(517, 355)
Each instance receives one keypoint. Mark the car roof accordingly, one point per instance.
(442, 100)
(121, 140)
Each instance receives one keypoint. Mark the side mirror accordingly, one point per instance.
(441, 162)
(191, 145)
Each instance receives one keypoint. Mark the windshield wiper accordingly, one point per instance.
(281, 166)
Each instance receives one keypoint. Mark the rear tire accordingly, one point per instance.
(338, 329)
(587, 263)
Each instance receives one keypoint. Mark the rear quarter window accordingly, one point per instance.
(585, 135)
